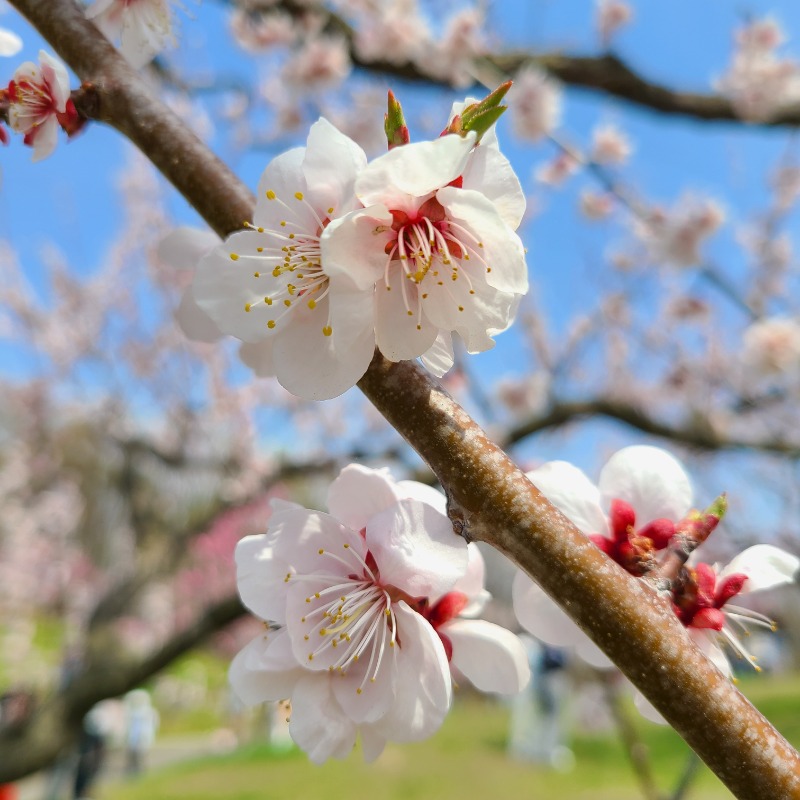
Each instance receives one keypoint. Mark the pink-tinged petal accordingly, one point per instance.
(765, 565)
(359, 493)
(108, 16)
(540, 616)
(331, 164)
(318, 725)
(489, 172)
(45, 138)
(707, 642)
(57, 79)
(264, 670)
(416, 549)
(572, 493)
(259, 357)
(413, 170)
(501, 247)
(314, 366)
(491, 657)
(423, 689)
(471, 583)
(372, 743)
(647, 709)
(185, 246)
(194, 323)
(283, 176)
(10, 43)
(401, 336)
(300, 534)
(146, 31)
(439, 358)
(377, 690)
(352, 246)
(260, 578)
(414, 490)
(650, 479)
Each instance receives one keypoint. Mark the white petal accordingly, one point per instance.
(284, 176)
(423, 689)
(259, 357)
(491, 657)
(401, 336)
(372, 743)
(707, 642)
(540, 616)
(314, 366)
(490, 172)
(146, 31)
(10, 43)
(376, 696)
(650, 480)
(55, 73)
(45, 138)
(185, 246)
(765, 565)
(331, 163)
(260, 578)
(264, 670)
(416, 549)
(413, 170)
(359, 493)
(415, 490)
(572, 493)
(318, 724)
(647, 709)
(502, 248)
(472, 581)
(194, 323)
(353, 245)
(300, 534)
(439, 358)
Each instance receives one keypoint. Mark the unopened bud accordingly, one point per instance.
(394, 123)
(480, 116)
(697, 526)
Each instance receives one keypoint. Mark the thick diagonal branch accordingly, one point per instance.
(490, 498)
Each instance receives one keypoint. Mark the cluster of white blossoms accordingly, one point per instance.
(344, 255)
(643, 499)
(368, 608)
(759, 82)
(772, 347)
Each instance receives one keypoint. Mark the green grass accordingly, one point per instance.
(465, 760)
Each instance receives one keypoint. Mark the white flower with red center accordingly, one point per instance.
(642, 493)
(367, 599)
(39, 103)
(437, 237)
(703, 602)
(142, 27)
(270, 286)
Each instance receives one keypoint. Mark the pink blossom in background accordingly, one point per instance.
(559, 169)
(259, 32)
(612, 15)
(610, 145)
(320, 63)
(596, 205)
(535, 104)
(758, 81)
(772, 346)
(367, 601)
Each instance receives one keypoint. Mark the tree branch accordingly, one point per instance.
(490, 499)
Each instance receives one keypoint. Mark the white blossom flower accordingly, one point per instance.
(271, 286)
(367, 599)
(611, 16)
(38, 102)
(143, 27)
(642, 492)
(610, 145)
(437, 236)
